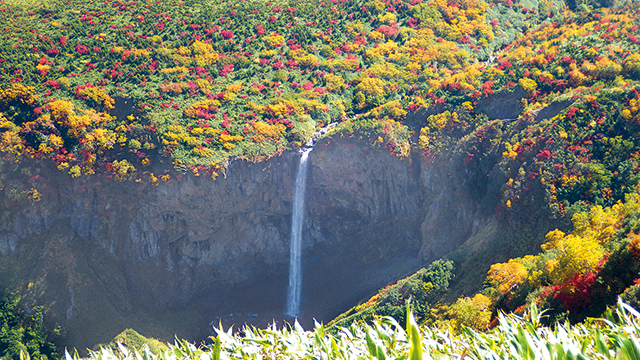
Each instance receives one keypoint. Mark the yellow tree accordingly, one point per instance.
(508, 275)
(580, 251)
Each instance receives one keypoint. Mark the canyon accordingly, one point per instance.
(174, 259)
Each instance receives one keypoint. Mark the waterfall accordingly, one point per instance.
(297, 219)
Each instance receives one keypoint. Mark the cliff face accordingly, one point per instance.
(105, 255)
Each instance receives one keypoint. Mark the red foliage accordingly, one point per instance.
(53, 83)
(388, 31)
(486, 87)
(82, 49)
(576, 292)
(226, 69)
(572, 111)
(544, 154)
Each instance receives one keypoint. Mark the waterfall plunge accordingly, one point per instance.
(297, 218)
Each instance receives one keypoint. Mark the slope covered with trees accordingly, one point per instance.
(149, 91)
(203, 83)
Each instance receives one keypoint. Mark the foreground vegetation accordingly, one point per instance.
(616, 337)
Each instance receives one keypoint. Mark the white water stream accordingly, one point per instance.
(297, 219)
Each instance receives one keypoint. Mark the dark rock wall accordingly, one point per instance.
(105, 255)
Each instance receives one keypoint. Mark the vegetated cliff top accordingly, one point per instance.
(116, 87)
(89, 84)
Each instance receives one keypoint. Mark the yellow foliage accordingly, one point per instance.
(439, 121)
(203, 151)
(153, 180)
(61, 109)
(75, 171)
(339, 64)
(576, 77)
(383, 49)
(64, 82)
(274, 40)
(227, 138)
(392, 109)
(334, 82)
(472, 312)
(607, 69)
(34, 194)
(173, 70)
(508, 275)
(136, 53)
(371, 86)
(467, 106)
(383, 71)
(510, 151)
(43, 68)
(588, 68)
(228, 96)
(423, 139)
(184, 51)
(98, 96)
(192, 111)
(204, 85)
(200, 47)
(56, 141)
(234, 88)
(268, 53)
(274, 131)
(102, 138)
(18, 92)
(632, 65)
(528, 85)
(123, 170)
(580, 251)
(387, 18)
(303, 58)
(376, 35)
(282, 107)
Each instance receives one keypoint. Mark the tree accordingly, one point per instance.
(508, 275)
(20, 331)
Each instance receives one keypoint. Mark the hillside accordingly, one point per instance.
(148, 157)
(205, 83)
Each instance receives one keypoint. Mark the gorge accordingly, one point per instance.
(173, 259)
(157, 172)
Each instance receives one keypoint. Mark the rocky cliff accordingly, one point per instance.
(171, 259)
